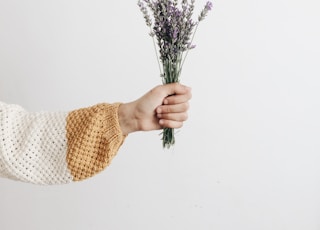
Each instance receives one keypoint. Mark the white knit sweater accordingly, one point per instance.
(57, 147)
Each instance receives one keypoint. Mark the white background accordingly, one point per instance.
(247, 158)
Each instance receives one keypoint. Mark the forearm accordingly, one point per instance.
(55, 148)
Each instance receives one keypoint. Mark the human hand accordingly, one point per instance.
(163, 106)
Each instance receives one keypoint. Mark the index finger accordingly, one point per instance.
(176, 89)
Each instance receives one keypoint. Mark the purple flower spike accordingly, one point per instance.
(205, 11)
(191, 47)
(209, 6)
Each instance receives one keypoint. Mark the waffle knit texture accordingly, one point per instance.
(57, 147)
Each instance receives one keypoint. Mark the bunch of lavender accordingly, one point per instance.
(174, 29)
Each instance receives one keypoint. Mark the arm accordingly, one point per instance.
(57, 148)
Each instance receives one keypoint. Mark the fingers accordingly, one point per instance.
(177, 99)
(173, 111)
(176, 88)
(173, 116)
(175, 108)
(170, 124)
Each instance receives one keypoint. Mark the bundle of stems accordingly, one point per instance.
(172, 29)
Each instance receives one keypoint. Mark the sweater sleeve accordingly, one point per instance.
(57, 147)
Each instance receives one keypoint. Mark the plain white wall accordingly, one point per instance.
(249, 155)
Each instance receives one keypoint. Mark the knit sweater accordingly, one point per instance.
(57, 147)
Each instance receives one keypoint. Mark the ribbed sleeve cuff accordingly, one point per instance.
(94, 137)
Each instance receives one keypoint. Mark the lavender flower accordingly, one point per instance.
(205, 11)
(173, 30)
(145, 13)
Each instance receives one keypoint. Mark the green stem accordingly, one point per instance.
(156, 51)
(171, 75)
(195, 30)
(168, 139)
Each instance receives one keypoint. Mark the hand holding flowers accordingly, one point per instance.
(156, 109)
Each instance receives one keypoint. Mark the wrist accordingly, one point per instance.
(127, 121)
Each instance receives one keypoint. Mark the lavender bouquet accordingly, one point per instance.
(174, 29)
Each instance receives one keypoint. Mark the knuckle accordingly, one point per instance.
(185, 106)
(164, 123)
(185, 117)
(167, 109)
(157, 90)
(179, 125)
(165, 116)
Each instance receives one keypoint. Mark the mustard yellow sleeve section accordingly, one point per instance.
(93, 139)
